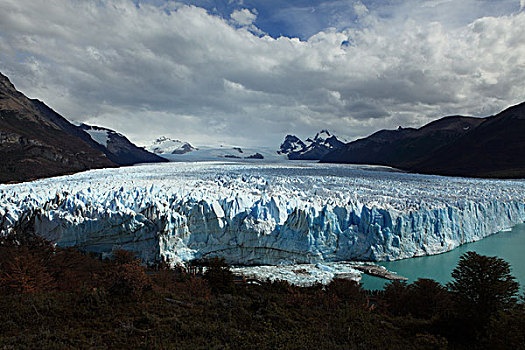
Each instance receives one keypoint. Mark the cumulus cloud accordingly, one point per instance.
(243, 17)
(147, 70)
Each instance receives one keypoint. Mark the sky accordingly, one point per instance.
(248, 72)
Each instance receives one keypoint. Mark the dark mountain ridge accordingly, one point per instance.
(455, 145)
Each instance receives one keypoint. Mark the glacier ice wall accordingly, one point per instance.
(262, 214)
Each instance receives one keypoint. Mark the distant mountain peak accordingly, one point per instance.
(311, 149)
(166, 145)
(323, 134)
(291, 144)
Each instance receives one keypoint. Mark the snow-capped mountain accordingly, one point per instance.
(312, 149)
(291, 144)
(221, 153)
(166, 145)
(118, 148)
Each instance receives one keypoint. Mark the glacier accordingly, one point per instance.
(262, 213)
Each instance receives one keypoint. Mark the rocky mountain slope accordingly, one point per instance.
(456, 145)
(36, 142)
(312, 149)
(118, 148)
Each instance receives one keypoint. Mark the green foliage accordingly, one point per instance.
(506, 330)
(395, 298)
(482, 286)
(428, 298)
(424, 299)
(347, 291)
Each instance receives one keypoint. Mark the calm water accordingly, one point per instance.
(506, 245)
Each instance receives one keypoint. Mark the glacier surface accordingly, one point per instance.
(264, 213)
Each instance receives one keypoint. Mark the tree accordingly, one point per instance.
(481, 286)
(396, 298)
(24, 263)
(428, 298)
(506, 330)
(219, 276)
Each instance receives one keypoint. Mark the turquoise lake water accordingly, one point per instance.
(508, 245)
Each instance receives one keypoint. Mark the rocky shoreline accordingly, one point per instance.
(380, 271)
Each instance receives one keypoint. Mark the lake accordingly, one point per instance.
(508, 245)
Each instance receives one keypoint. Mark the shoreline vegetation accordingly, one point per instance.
(63, 298)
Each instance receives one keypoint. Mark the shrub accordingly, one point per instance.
(219, 276)
(26, 274)
(127, 276)
(347, 291)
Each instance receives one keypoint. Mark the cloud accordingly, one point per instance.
(185, 72)
(360, 9)
(243, 17)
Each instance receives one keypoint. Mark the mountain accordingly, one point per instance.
(33, 145)
(312, 149)
(37, 142)
(118, 148)
(225, 152)
(165, 145)
(496, 148)
(456, 145)
(291, 144)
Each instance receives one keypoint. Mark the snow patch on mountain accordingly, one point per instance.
(99, 136)
(118, 148)
(166, 145)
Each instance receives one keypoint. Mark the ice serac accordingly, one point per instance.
(262, 214)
